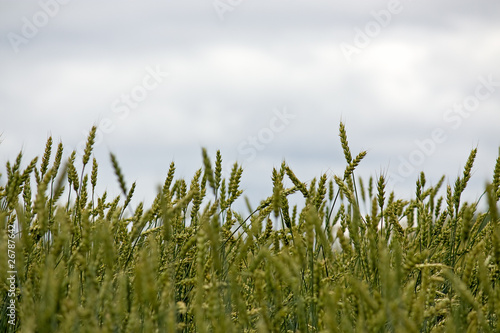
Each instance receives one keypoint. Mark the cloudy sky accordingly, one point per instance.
(417, 84)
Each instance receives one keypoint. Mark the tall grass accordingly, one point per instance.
(191, 263)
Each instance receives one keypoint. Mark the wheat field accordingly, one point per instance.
(353, 258)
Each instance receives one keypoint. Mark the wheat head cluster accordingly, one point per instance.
(353, 258)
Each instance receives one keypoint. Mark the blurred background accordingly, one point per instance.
(417, 84)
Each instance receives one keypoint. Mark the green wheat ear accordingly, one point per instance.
(208, 170)
(345, 144)
(234, 182)
(72, 173)
(277, 178)
(496, 176)
(46, 157)
(89, 146)
(118, 174)
(93, 178)
(58, 158)
(169, 179)
(353, 164)
(298, 184)
(218, 169)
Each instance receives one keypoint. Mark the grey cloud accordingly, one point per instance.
(227, 76)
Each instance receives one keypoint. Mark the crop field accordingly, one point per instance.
(352, 258)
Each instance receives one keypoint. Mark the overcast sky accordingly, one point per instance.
(417, 84)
